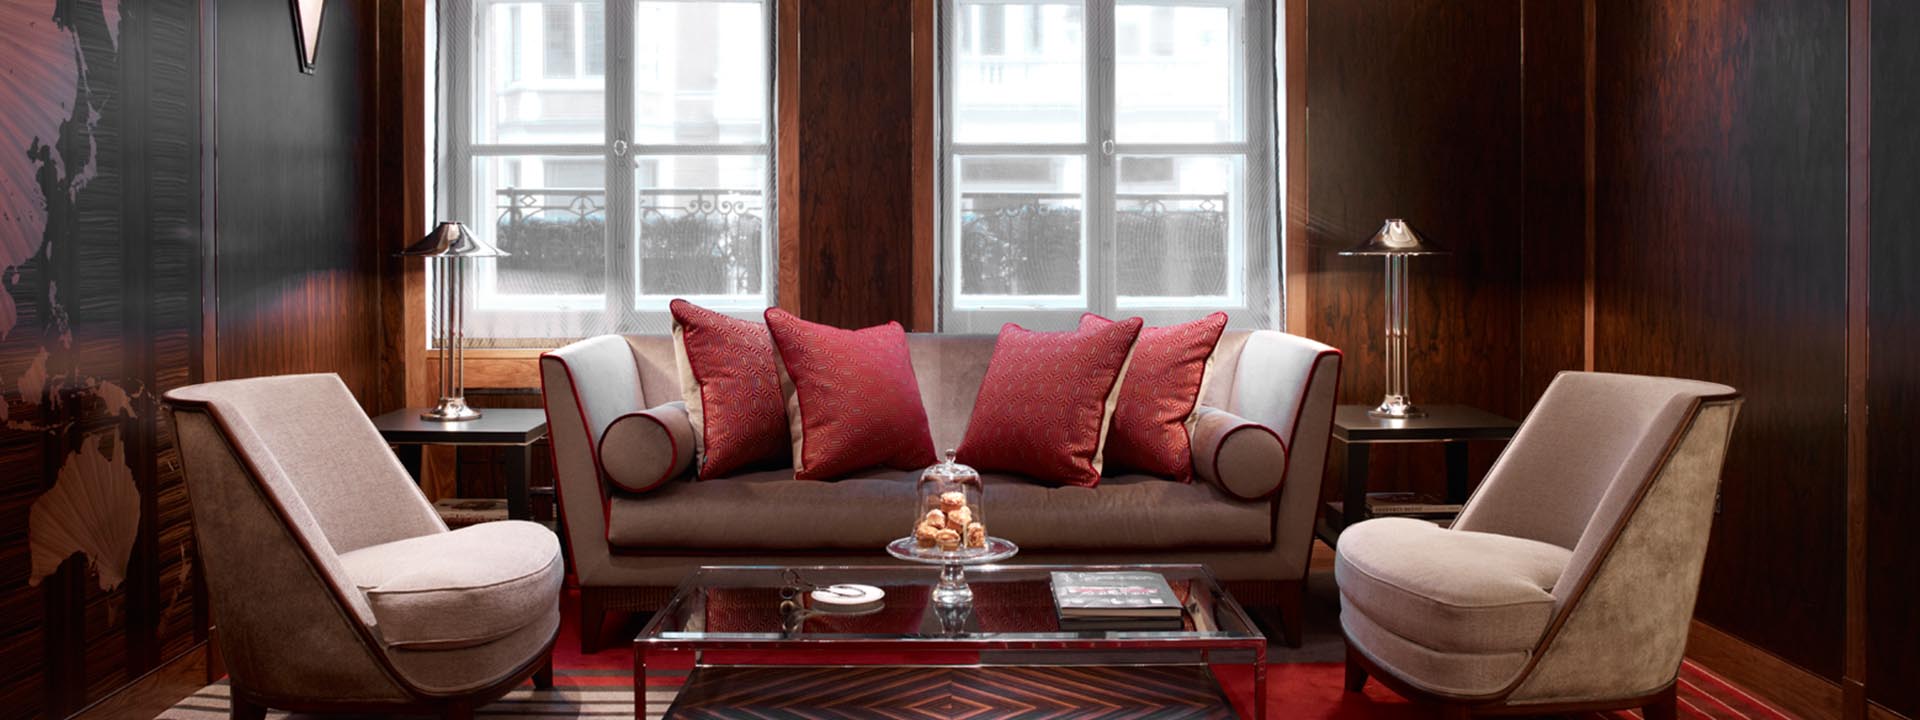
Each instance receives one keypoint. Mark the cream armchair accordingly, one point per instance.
(1568, 582)
(333, 585)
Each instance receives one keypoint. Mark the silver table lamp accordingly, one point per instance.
(1397, 241)
(452, 248)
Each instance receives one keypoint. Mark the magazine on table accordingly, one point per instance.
(1122, 600)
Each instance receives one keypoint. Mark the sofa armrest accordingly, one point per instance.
(642, 450)
(1291, 384)
(585, 386)
(1245, 458)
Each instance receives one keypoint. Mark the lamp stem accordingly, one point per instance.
(452, 315)
(1396, 404)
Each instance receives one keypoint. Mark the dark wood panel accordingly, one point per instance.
(1416, 113)
(1893, 386)
(1556, 237)
(1720, 151)
(855, 176)
(297, 269)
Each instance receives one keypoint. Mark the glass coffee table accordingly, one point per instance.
(745, 616)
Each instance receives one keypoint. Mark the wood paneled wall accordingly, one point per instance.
(1682, 205)
(846, 161)
(299, 253)
(1720, 209)
(1892, 558)
(1416, 114)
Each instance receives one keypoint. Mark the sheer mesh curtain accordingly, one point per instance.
(1116, 156)
(619, 150)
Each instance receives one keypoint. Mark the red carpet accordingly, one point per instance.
(1295, 690)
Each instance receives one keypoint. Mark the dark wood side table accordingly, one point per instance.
(515, 429)
(1450, 425)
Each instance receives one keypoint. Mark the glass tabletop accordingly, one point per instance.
(766, 607)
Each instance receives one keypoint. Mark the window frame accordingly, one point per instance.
(542, 321)
(1256, 109)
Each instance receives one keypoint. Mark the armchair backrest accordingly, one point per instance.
(1592, 436)
(337, 465)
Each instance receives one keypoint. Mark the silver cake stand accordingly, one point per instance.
(952, 590)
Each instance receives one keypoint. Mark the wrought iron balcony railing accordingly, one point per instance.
(691, 240)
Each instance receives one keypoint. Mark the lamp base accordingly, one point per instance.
(451, 409)
(1396, 407)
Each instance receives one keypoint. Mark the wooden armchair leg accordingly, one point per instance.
(543, 677)
(1356, 673)
(1665, 706)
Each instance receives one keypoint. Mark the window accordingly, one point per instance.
(1107, 155)
(619, 150)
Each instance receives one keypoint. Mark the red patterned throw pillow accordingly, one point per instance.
(857, 401)
(1046, 400)
(730, 378)
(1157, 398)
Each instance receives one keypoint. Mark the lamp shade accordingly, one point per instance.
(451, 239)
(1396, 237)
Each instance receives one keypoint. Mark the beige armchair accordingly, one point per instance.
(332, 583)
(1568, 582)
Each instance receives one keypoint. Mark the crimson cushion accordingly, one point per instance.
(1150, 422)
(730, 378)
(1046, 400)
(857, 401)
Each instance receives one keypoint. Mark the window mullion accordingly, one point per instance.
(622, 272)
(1102, 172)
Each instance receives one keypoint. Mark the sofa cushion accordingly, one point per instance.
(771, 511)
(1449, 590)
(1158, 396)
(1046, 401)
(459, 588)
(855, 401)
(640, 450)
(1243, 457)
(730, 380)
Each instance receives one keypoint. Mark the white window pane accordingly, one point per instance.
(1175, 74)
(702, 225)
(1175, 224)
(549, 214)
(533, 83)
(1020, 230)
(1019, 73)
(700, 73)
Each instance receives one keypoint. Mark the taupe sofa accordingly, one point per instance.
(630, 550)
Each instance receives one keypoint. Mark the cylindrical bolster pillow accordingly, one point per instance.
(1243, 457)
(642, 450)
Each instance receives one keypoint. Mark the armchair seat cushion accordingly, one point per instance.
(462, 588)
(1449, 590)
(771, 511)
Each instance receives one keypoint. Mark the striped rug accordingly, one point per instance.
(1301, 690)
(1305, 682)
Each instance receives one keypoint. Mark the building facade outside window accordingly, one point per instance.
(1114, 156)
(620, 150)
